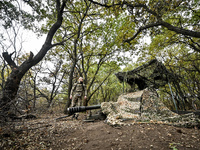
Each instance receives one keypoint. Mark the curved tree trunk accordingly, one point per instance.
(14, 78)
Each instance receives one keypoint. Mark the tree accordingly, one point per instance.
(155, 16)
(53, 81)
(18, 71)
(11, 40)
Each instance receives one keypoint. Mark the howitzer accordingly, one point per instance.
(73, 110)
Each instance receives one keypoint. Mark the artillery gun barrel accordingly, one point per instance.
(72, 110)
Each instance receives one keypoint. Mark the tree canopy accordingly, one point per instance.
(157, 17)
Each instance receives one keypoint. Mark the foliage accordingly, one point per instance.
(90, 45)
(21, 12)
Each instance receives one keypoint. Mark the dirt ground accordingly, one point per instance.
(47, 134)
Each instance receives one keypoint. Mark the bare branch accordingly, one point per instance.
(9, 60)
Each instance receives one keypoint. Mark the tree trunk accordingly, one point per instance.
(34, 92)
(70, 86)
(10, 90)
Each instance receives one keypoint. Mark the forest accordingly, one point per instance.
(94, 39)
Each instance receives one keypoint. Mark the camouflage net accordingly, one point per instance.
(144, 106)
(152, 74)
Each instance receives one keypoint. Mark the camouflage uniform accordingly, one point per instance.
(78, 89)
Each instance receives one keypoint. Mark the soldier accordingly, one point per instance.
(78, 89)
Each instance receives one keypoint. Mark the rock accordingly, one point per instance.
(85, 140)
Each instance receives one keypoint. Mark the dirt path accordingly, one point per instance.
(99, 135)
(67, 134)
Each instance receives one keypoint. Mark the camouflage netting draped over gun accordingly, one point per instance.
(144, 106)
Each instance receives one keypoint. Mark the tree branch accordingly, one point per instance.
(60, 43)
(99, 86)
(31, 56)
(140, 30)
(9, 60)
(160, 22)
(180, 30)
(105, 5)
(47, 45)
